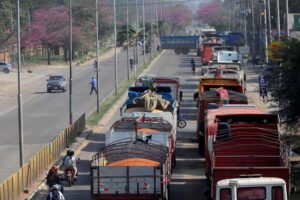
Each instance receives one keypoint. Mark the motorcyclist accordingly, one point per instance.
(54, 177)
(70, 162)
(55, 194)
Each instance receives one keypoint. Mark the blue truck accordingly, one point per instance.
(180, 44)
(235, 39)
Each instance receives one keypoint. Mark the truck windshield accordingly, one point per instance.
(253, 193)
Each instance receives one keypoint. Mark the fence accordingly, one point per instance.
(14, 185)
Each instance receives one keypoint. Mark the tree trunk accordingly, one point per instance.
(49, 55)
(65, 55)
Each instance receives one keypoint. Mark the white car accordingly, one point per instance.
(5, 67)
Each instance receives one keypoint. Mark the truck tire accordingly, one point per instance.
(185, 51)
(177, 51)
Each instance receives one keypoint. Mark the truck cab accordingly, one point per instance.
(264, 188)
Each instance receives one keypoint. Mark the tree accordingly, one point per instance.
(50, 27)
(286, 84)
(214, 14)
(180, 18)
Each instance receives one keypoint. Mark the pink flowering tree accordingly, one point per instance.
(50, 27)
(214, 14)
(180, 17)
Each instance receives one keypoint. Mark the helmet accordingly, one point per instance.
(69, 152)
(55, 187)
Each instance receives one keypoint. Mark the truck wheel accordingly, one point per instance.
(185, 51)
(48, 91)
(177, 51)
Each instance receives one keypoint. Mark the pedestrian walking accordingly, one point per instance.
(93, 84)
(263, 93)
(95, 65)
(193, 65)
(131, 62)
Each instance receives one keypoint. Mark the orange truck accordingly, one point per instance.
(207, 51)
(207, 98)
(245, 155)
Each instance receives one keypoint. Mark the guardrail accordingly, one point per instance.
(17, 183)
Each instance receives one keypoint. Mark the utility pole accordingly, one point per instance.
(116, 64)
(137, 36)
(20, 109)
(97, 55)
(245, 22)
(127, 35)
(269, 21)
(278, 19)
(144, 32)
(151, 23)
(70, 61)
(287, 18)
(253, 32)
(265, 31)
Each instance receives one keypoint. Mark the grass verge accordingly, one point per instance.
(95, 117)
(58, 60)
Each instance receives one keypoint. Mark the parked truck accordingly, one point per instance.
(244, 142)
(207, 97)
(162, 82)
(180, 44)
(135, 162)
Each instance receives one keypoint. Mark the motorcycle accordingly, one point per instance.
(70, 176)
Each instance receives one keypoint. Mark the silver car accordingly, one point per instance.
(5, 67)
(56, 82)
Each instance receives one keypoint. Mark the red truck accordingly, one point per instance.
(207, 95)
(207, 51)
(243, 141)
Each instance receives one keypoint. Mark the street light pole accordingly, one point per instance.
(287, 18)
(144, 32)
(278, 19)
(127, 31)
(265, 31)
(116, 64)
(70, 59)
(269, 21)
(137, 37)
(20, 110)
(253, 32)
(97, 55)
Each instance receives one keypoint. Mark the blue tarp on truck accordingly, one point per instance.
(181, 44)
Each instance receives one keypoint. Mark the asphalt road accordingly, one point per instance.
(188, 177)
(45, 115)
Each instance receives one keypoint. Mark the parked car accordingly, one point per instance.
(56, 82)
(5, 67)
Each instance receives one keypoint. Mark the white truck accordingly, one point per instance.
(266, 188)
